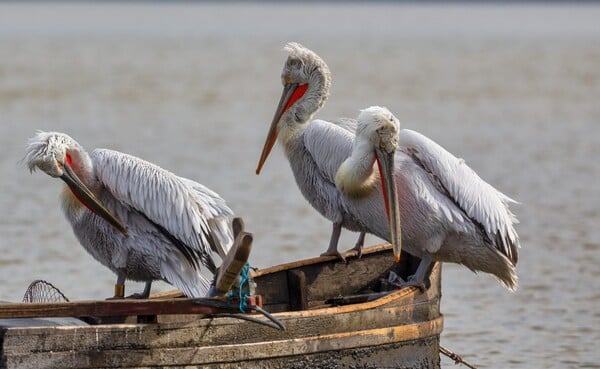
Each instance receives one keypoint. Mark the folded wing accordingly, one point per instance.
(482, 203)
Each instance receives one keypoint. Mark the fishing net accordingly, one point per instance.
(40, 291)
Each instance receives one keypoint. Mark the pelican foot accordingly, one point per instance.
(414, 281)
(358, 246)
(356, 251)
(336, 254)
(410, 283)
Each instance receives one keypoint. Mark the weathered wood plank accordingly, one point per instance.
(322, 259)
(234, 262)
(399, 308)
(224, 342)
(333, 278)
(112, 358)
(204, 332)
(106, 308)
(297, 290)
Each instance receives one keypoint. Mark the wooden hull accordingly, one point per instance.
(398, 330)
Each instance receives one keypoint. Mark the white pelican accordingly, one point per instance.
(139, 220)
(316, 149)
(448, 212)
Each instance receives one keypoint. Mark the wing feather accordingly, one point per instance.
(482, 203)
(329, 145)
(182, 207)
(349, 124)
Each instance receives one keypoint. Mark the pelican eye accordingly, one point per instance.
(294, 62)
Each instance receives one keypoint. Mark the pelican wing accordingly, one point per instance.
(482, 203)
(189, 214)
(329, 145)
(220, 216)
(349, 124)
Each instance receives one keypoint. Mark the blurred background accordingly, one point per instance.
(513, 89)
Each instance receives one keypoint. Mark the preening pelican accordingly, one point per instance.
(139, 220)
(315, 149)
(448, 212)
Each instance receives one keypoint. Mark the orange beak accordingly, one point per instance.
(291, 93)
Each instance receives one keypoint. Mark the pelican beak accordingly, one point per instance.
(89, 199)
(284, 103)
(385, 161)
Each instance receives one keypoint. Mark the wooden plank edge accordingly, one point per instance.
(106, 308)
(319, 259)
(235, 352)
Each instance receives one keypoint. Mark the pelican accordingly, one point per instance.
(449, 213)
(316, 149)
(139, 220)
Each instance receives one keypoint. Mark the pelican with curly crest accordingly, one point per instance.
(142, 222)
(315, 149)
(334, 171)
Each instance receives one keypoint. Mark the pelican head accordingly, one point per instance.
(380, 127)
(60, 156)
(47, 151)
(376, 141)
(306, 81)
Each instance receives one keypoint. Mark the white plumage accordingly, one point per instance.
(183, 207)
(177, 229)
(448, 212)
(465, 192)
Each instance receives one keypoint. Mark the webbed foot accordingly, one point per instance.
(400, 283)
(414, 283)
(336, 254)
(355, 251)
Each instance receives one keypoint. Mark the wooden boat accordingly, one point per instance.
(336, 316)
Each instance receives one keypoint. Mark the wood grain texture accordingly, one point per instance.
(107, 308)
(398, 329)
(158, 357)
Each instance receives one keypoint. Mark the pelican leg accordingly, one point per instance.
(333, 242)
(357, 249)
(145, 294)
(423, 270)
(119, 286)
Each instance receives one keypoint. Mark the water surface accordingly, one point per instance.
(513, 90)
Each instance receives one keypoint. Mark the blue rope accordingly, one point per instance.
(243, 290)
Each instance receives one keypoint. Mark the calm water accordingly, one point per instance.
(514, 90)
